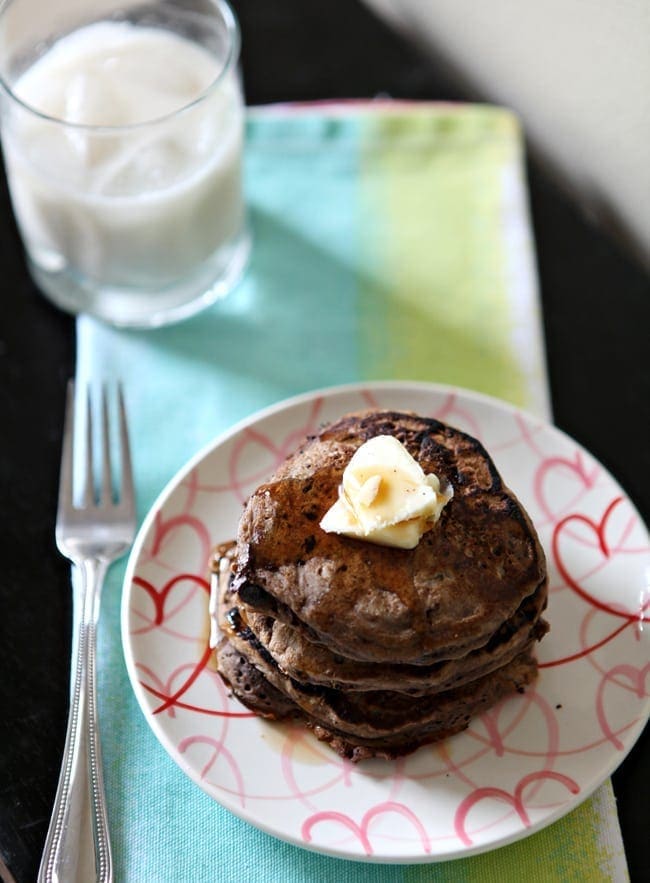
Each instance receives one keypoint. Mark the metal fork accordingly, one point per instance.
(92, 534)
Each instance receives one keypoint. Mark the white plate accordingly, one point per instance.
(517, 768)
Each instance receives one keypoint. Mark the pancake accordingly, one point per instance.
(379, 649)
(315, 664)
(371, 724)
(305, 661)
(372, 603)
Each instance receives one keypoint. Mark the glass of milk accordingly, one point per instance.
(122, 132)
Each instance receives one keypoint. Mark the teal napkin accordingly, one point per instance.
(390, 242)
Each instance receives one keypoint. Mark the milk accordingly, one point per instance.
(146, 199)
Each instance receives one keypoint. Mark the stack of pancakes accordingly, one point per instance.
(380, 650)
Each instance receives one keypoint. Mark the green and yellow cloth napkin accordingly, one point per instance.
(391, 241)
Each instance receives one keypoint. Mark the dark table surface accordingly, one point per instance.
(596, 307)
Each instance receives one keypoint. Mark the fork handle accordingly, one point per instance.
(77, 847)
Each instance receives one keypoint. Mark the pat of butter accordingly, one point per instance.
(385, 497)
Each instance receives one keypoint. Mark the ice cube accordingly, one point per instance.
(93, 100)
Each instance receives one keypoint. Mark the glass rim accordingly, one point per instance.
(233, 31)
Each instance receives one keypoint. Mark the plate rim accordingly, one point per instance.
(259, 415)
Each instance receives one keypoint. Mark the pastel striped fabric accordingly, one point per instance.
(390, 242)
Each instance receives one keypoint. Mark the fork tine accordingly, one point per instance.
(88, 497)
(65, 474)
(127, 495)
(106, 484)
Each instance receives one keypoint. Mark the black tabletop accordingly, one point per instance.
(596, 308)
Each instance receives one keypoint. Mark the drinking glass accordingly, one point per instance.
(122, 131)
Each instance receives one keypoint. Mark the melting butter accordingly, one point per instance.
(385, 497)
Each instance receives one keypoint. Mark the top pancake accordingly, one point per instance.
(446, 597)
